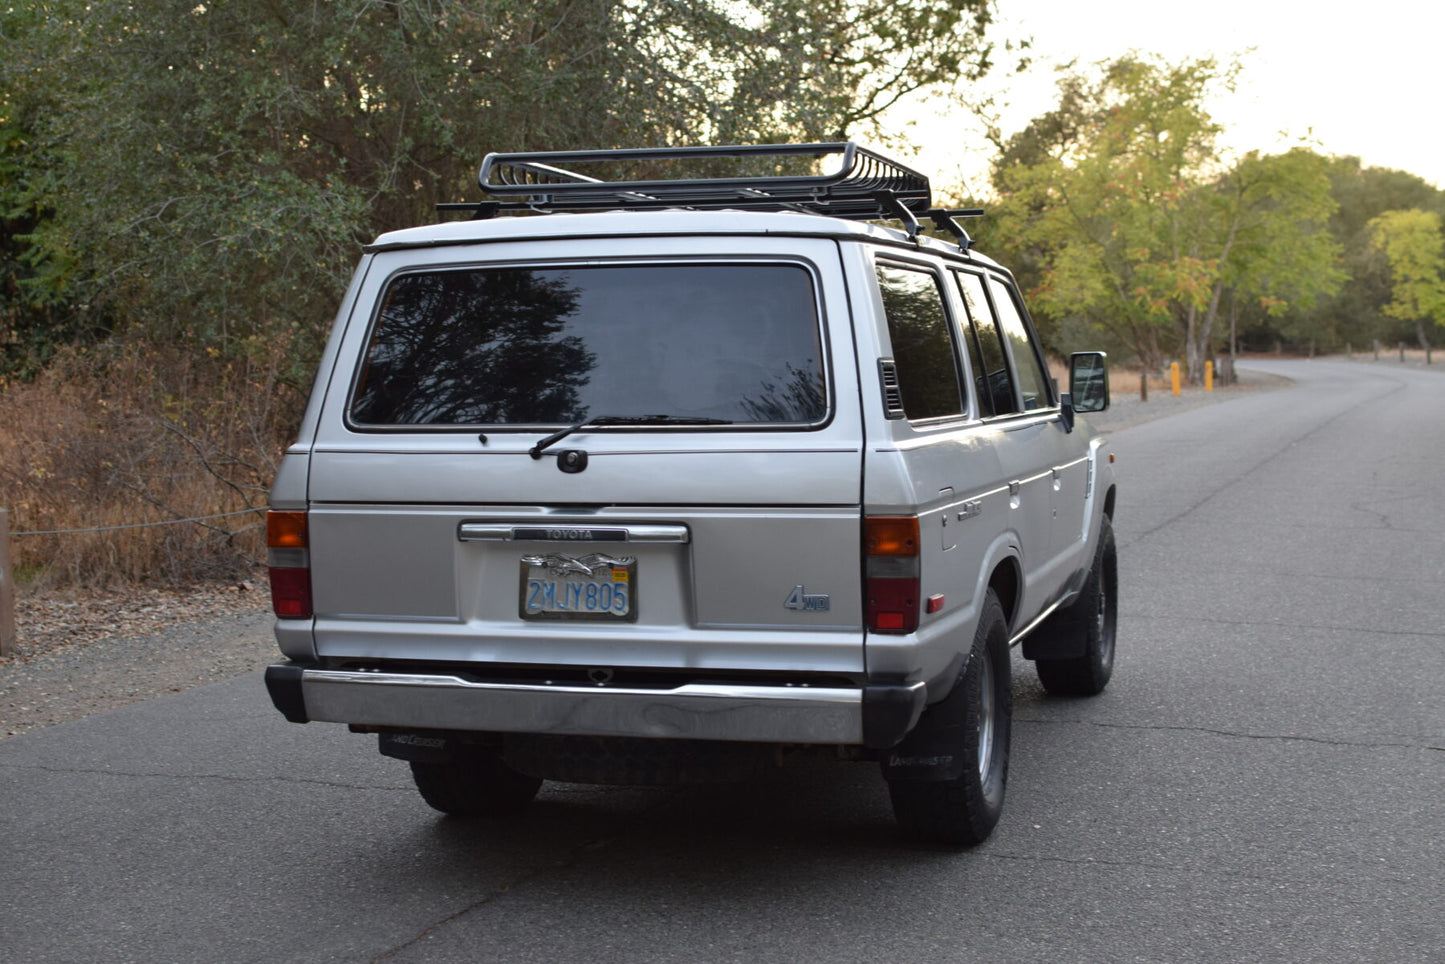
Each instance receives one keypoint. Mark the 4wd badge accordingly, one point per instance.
(805, 602)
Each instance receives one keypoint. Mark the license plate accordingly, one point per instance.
(593, 587)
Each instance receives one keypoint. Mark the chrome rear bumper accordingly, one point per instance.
(783, 714)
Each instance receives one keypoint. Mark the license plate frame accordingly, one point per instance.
(555, 587)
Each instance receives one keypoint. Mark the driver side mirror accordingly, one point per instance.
(1089, 381)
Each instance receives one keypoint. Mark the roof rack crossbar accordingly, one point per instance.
(897, 209)
(946, 220)
(548, 182)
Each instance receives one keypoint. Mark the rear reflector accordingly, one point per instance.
(291, 593)
(891, 573)
(289, 558)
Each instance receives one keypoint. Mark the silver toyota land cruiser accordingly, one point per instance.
(683, 474)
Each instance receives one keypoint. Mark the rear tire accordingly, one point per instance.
(964, 810)
(1096, 615)
(478, 786)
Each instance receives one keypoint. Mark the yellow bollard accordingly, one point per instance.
(1174, 377)
(1209, 376)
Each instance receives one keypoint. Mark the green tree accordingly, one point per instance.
(36, 313)
(1090, 191)
(1122, 200)
(210, 169)
(1274, 246)
(1355, 313)
(1415, 249)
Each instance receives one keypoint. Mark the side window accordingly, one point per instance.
(1028, 360)
(922, 347)
(991, 378)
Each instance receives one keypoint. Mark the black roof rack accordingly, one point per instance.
(866, 186)
(548, 181)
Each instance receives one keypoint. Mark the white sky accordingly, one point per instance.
(1366, 79)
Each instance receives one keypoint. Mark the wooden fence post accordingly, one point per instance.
(7, 590)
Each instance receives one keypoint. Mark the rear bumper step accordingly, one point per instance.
(776, 714)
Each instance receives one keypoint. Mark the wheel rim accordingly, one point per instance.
(1103, 625)
(986, 710)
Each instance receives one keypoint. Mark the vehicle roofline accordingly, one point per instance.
(658, 224)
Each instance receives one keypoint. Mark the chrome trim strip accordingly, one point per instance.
(788, 714)
(1018, 637)
(570, 532)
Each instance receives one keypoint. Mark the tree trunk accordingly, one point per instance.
(1193, 350)
(1214, 295)
(1144, 340)
(1233, 337)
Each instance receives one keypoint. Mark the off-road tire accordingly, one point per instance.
(963, 811)
(480, 785)
(1095, 614)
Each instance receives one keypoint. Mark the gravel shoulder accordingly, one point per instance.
(84, 652)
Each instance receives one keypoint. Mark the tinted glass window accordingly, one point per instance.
(991, 380)
(922, 347)
(1028, 364)
(521, 346)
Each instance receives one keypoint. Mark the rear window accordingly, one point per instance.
(544, 346)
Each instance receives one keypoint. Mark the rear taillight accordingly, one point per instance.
(891, 573)
(289, 557)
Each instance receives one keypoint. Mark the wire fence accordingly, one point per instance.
(141, 525)
(7, 582)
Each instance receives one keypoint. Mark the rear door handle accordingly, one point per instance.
(569, 532)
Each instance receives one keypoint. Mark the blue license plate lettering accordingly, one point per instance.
(605, 595)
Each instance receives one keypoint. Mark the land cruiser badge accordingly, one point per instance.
(802, 601)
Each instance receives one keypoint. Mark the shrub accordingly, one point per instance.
(132, 433)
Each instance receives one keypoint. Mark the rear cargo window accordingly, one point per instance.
(539, 346)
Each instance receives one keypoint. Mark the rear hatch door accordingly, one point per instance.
(700, 513)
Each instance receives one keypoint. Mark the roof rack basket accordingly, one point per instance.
(866, 185)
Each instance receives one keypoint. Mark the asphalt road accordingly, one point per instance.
(1264, 780)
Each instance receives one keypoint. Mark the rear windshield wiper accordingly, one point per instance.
(555, 437)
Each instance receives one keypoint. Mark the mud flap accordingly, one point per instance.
(1062, 636)
(931, 751)
(433, 747)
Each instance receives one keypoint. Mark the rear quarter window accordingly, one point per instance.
(923, 350)
(736, 343)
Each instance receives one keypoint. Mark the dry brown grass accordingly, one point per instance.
(1123, 378)
(133, 434)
